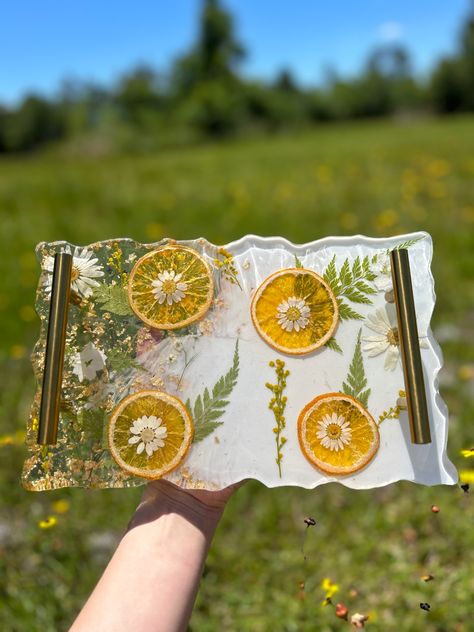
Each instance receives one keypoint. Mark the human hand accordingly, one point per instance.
(199, 506)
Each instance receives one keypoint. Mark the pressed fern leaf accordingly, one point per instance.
(211, 406)
(333, 344)
(113, 298)
(406, 244)
(356, 380)
(351, 283)
(119, 361)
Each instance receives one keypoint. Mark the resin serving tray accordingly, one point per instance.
(260, 359)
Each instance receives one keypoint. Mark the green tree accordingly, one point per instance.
(138, 96)
(467, 62)
(216, 54)
(205, 83)
(35, 122)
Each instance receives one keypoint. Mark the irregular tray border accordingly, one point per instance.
(448, 470)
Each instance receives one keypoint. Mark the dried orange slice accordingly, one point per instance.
(337, 434)
(295, 311)
(170, 287)
(150, 433)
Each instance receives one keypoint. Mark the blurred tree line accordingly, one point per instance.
(204, 95)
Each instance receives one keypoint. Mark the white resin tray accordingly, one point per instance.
(223, 357)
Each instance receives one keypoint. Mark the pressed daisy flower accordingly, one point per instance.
(169, 287)
(293, 314)
(84, 271)
(148, 433)
(334, 432)
(384, 323)
(88, 362)
(383, 270)
(467, 453)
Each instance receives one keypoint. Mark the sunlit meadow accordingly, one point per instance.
(268, 570)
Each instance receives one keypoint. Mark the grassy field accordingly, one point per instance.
(375, 179)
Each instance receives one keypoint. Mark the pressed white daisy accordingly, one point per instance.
(384, 323)
(334, 432)
(84, 271)
(169, 287)
(293, 314)
(148, 433)
(88, 362)
(383, 270)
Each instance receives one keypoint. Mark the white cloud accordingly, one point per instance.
(390, 32)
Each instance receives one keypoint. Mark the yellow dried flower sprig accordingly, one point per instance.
(278, 404)
(226, 265)
(394, 411)
(115, 261)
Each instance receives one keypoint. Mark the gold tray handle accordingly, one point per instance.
(55, 345)
(410, 347)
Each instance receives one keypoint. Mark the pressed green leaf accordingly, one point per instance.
(330, 275)
(357, 268)
(356, 297)
(333, 344)
(363, 287)
(345, 275)
(298, 263)
(113, 298)
(356, 379)
(119, 361)
(351, 283)
(92, 423)
(209, 408)
(407, 244)
(347, 313)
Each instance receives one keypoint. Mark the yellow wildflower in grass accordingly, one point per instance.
(323, 173)
(61, 506)
(437, 190)
(348, 221)
(50, 522)
(27, 313)
(467, 214)
(17, 438)
(466, 372)
(437, 168)
(330, 589)
(17, 352)
(467, 453)
(154, 230)
(466, 476)
(385, 220)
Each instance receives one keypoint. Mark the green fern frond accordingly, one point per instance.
(211, 406)
(356, 381)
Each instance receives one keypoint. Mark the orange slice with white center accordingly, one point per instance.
(295, 311)
(150, 433)
(337, 434)
(170, 287)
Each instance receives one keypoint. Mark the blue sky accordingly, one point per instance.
(43, 42)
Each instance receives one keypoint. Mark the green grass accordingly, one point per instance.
(373, 178)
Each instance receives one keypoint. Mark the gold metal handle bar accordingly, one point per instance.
(55, 345)
(410, 347)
